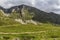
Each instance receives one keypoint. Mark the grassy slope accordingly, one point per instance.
(50, 30)
(10, 26)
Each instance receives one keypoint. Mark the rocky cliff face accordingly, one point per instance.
(28, 12)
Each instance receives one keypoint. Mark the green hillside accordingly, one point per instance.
(12, 30)
(42, 31)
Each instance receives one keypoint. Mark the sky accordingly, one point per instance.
(45, 5)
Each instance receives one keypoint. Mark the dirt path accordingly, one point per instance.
(9, 25)
(23, 32)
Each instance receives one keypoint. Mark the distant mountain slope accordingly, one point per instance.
(38, 15)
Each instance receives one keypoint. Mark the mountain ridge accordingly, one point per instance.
(39, 15)
(15, 7)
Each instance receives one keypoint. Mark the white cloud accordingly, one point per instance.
(2, 2)
(33, 2)
(46, 5)
(57, 6)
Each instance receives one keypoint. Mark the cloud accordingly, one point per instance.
(2, 2)
(10, 3)
(48, 5)
(45, 5)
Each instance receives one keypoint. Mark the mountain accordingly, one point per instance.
(38, 15)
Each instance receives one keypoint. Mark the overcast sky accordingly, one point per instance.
(45, 5)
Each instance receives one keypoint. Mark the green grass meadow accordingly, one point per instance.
(51, 32)
(43, 31)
